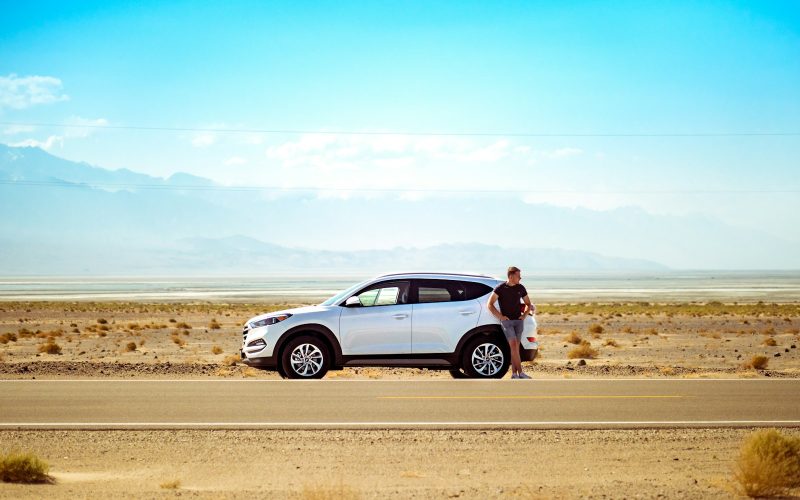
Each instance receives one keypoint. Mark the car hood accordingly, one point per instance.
(293, 311)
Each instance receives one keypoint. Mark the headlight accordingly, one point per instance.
(269, 321)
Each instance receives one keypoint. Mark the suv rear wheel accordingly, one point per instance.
(305, 357)
(485, 358)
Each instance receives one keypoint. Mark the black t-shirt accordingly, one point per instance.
(508, 298)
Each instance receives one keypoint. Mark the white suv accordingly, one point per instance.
(422, 320)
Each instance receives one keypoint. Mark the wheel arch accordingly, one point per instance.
(315, 330)
(488, 331)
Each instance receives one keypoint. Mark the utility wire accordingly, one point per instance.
(413, 134)
(217, 187)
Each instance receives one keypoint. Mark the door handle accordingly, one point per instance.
(400, 315)
(466, 313)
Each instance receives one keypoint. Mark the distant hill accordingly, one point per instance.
(74, 218)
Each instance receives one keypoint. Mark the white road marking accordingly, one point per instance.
(411, 380)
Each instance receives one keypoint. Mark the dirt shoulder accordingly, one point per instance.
(672, 463)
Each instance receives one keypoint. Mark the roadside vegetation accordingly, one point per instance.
(19, 467)
(768, 464)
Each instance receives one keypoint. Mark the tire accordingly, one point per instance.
(457, 373)
(305, 357)
(282, 373)
(486, 357)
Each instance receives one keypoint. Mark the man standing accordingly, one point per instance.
(512, 314)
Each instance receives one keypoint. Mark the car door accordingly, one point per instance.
(380, 323)
(442, 313)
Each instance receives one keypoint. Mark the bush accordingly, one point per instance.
(231, 360)
(611, 343)
(214, 325)
(768, 464)
(216, 349)
(171, 485)
(102, 321)
(573, 338)
(50, 347)
(757, 363)
(583, 351)
(131, 346)
(596, 328)
(18, 467)
(770, 342)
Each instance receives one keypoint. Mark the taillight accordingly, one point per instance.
(531, 339)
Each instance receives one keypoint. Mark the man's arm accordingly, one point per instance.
(492, 309)
(529, 308)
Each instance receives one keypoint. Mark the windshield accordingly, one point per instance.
(344, 293)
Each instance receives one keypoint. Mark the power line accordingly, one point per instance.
(216, 187)
(413, 134)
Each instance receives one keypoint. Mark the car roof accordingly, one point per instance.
(432, 275)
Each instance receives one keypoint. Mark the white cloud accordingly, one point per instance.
(18, 129)
(235, 160)
(78, 128)
(562, 153)
(23, 92)
(204, 139)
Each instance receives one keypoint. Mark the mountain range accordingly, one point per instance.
(64, 217)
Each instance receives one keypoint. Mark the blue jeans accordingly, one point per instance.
(512, 328)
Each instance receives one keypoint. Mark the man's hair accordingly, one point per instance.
(512, 270)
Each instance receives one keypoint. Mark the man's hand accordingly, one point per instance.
(503, 318)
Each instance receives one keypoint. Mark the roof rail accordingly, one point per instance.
(441, 274)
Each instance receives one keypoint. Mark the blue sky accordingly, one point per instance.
(541, 67)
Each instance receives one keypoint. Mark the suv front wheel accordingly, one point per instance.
(485, 358)
(305, 357)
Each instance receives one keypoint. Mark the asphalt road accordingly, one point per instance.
(256, 404)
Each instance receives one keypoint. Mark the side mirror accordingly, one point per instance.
(352, 301)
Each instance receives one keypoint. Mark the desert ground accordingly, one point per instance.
(169, 340)
(128, 339)
(677, 463)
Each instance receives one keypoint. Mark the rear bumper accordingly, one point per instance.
(527, 354)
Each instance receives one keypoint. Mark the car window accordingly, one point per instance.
(474, 290)
(440, 291)
(385, 294)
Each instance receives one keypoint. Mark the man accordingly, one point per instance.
(512, 314)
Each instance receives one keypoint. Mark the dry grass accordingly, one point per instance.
(611, 343)
(573, 338)
(768, 464)
(770, 342)
(216, 350)
(130, 346)
(50, 347)
(583, 351)
(8, 337)
(214, 325)
(596, 328)
(338, 492)
(231, 360)
(183, 326)
(757, 363)
(17, 467)
(170, 485)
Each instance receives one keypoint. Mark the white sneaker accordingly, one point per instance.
(515, 376)
(524, 375)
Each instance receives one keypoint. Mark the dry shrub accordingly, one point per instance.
(583, 351)
(50, 347)
(214, 325)
(183, 326)
(216, 350)
(768, 464)
(757, 363)
(102, 321)
(249, 372)
(573, 338)
(596, 328)
(178, 341)
(611, 343)
(231, 360)
(16, 467)
(131, 346)
(7, 337)
(170, 485)
(24, 333)
(770, 342)
(627, 329)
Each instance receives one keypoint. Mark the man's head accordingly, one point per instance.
(514, 275)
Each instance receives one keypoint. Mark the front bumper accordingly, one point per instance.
(264, 362)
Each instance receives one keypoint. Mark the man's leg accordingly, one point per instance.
(516, 362)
